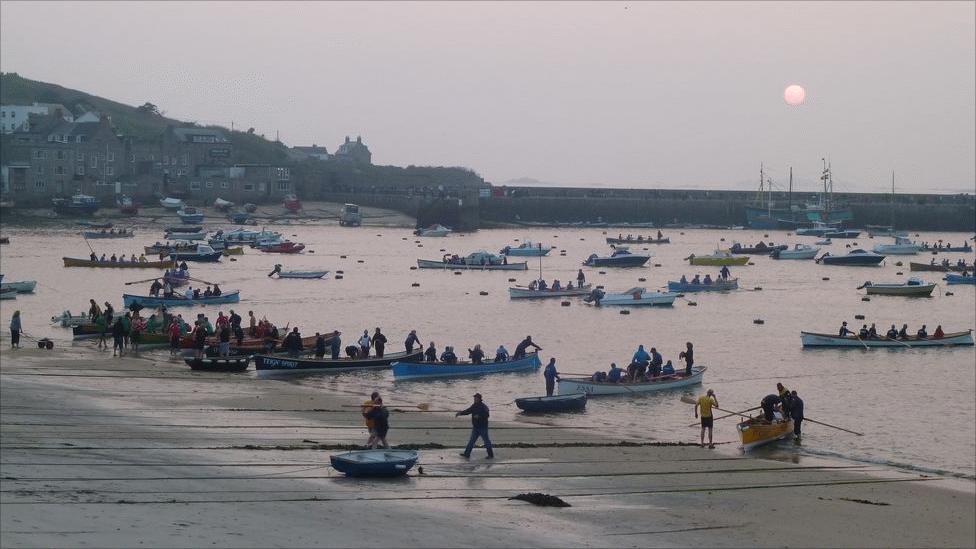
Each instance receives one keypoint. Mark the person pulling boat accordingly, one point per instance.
(706, 403)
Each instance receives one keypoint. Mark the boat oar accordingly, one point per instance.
(141, 281)
(200, 281)
(687, 399)
(859, 340)
(730, 414)
(833, 426)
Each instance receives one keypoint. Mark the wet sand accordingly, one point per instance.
(143, 452)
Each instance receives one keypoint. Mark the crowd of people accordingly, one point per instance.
(892, 334)
(647, 366)
(723, 275)
(118, 258)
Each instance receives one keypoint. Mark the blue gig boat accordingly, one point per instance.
(180, 301)
(375, 463)
(426, 370)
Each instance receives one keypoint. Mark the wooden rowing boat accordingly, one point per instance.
(218, 364)
(717, 285)
(430, 370)
(271, 365)
(375, 463)
(522, 292)
(939, 268)
(811, 339)
(718, 259)
(755, 432)
(557, 403)
(180, 301)
(73, 262)
(602, 388)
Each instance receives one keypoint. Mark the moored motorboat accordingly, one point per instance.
(755, 432)
(621, 257)
(842, 234)
(435, 230)
(902, 246)
(799, 251)
(556, 403)
(190, 216)
(856, 257)
(479, 260)
(375, 463)
(634, 297)
(428, 370)
(761, 248)
(218, 364)
(79, 204)
(22, 287)
(222, 205)
(73, 262)
(276, 364)
(523, 292)
(526, 249)
(717, 285)
(180, 301)
(960, 279)
(171, 203)
(286, 247)
(720, 258)
(812, 339)
(203, 253)
(296, 274)
(914, 287)
(572, 385)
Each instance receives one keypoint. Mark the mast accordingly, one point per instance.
(762, 178)
(790, 195)
(891, 221)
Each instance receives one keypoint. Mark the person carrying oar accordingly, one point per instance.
(706, 403)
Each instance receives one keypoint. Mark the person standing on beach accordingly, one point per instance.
(796, 411)
(551, 376)
(366, 409)
(15, 330)
(381, 423)
(706, 403)
(118, 337)
(175, 334)
(479, 426)
(689, 355)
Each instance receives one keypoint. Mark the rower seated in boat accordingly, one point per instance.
(216, 290)
(843, 330)
(93, 257)
(598, 377)
(903, 333)
(708, 280)
(543, 285)
(476, 355)
(863, 332)
(615, 373)
(142, 258)
(113, 259)
(448, 356)
(921, 333)
(668, 369)
(939, 334)
(533, 285)
(501, 354)
(208, 292)
(873, 331)
(569, 285)
(683, 280)
(430, 355)
(696, 280)
(556, 286)
(892, 333)
(196, 293)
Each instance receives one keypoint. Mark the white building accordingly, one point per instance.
(17, 117)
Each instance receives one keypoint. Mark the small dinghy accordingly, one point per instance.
(22, 287)
(755, 432)
(375, 463)
(218, 364)
(435, 230)
(558, 403)
(296, 274)
(960, 279)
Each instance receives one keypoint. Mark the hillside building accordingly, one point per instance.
(354, 151)
(17, 117)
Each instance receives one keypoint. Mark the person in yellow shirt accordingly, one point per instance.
(367, 407)
(706, 403)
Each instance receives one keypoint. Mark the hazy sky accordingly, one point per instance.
(622, 94)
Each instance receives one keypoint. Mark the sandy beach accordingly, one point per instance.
(143, 452)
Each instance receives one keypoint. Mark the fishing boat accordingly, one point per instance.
(435, 230)
(190, 216)
(717, 285)
(73, 262)
(79, 204)
(273, 365)
(22, 287)
(765, 214)
(296, 274)
(621, 257)
(570, 385)
(203, 253)
(761, 248)
(960, 279)
(556, 403)
(121, 233)
(245, 236)
(292, 204)
(640, 239)
(167, 248)
(719, 258)
(823, 242)
(286, 247)
(375, 463)
(857, 257)
(817, 229)
(914, 287)
(218, 364)
(180, 301)
(812, 339)
(949, 249)
(523, 292)
(883, 230)
(902, 246)
(429, 370)
(127, 206)
(171, 203)
(940, 267)
(202, 235)
(526, 249)
(634, 297)
(222, 205)
(799, 251)
(238, 217)
(8, 294)
(475, 261)
(755, 432)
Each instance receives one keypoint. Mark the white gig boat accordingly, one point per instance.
(811, 339)
(568, 386)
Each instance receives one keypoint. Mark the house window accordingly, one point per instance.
(60, 155)
(101, 183)
(209, 184)
(110, 157)
(172, 160)
(224, 185)
(109, 170)
(132, 158)
(194, 185)
(59, 170)
(40, 153)
(80, 170)
(94, 160)
(20, 185)
(186, 159)
(283, 173)
(282, 185)
(40, 170)
(180, 172)
(80, 157)
(39, 185)
(249, 186)
(262, 187)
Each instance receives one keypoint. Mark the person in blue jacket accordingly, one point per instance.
(613, 376)
(551, 376)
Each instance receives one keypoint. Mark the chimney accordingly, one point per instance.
(347, 139)
(359, 139)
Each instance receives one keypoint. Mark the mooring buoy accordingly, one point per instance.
(625, 312)
(948, 293)
(457, 272)
(657, 264)
(564, 304)
(859, 317)
(413, 268)
(825, 278)
(342, 257)
(758, 321)
(865, 298)
(415, 285)
(757, 289)
(511, 280)
(482, 292)
(692, 303)
(338, 277)
(899, 273)
(340, 272)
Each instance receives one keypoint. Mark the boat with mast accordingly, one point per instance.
(764, 214)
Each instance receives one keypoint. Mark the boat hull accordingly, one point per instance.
(549, 404)
(302, 274)
(434, 264)
(187, 236)
(527, 252)
(795, 254)
(427, 370)
(218, 364)
(149, 301)
(72, 262)
(754, 434)
(568, 386)
(715, 286)
(525, 293)
(375, 463)
(811, 339)
(626, 241)
(211, 257)
(646, 299)
(959, 279)
(624, 261)
(23, 287)
(271, 365)
(894, 249)
(719, 261)
(924, 290)
(93, 235)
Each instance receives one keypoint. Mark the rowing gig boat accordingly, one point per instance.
(180, 301)
(375, 463)
(568, 386)
(959, 279)
(218, 364)
(913, 288)
(811, 339)
(557, 403)
(755, 432)
(429, 370)
(273, 365)
(523, 292)
(939, 268)
(72, 262)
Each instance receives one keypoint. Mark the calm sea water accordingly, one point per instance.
(914, 406)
